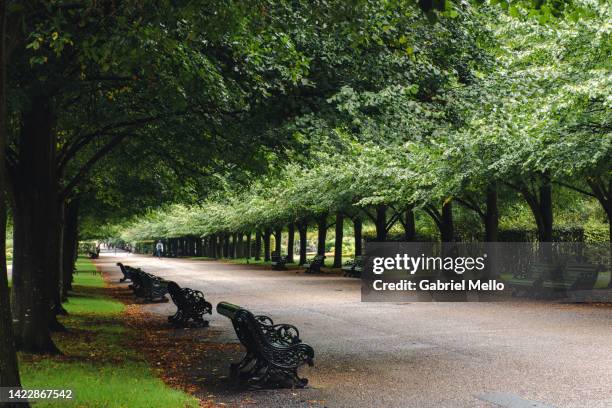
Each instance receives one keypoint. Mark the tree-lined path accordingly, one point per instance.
(402, 355)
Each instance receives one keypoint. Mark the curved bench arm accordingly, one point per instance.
(264, 320)
(286, 334)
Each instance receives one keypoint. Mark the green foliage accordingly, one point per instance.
(393, 108)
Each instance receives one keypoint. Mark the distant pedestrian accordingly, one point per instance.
(159, 249)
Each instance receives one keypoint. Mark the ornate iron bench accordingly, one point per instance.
(278, 261)
(274, 352)
(190, 305)
(353, 268)
(530, 281)
(147, 286)
(126, 271)
(575, 276)
(314, 265)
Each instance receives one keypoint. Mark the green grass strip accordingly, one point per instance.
(98, 364)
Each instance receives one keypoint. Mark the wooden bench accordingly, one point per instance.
(274, 352)
(94, 255)
(530, 281)
(575, 276)
(190, 305)
(354, 267)
(278, 262)
(314, 265)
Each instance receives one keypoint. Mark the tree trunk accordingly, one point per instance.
(491, 215)
(278, 237)
(70, 243)
(546, 233)
(266, 239)
(35, 212)
(9, 371)
(409, 226)
(447, 228)
(247, 252)
(225, 246)
(338, 240)
(257, 245)
(381, 223)
(55, 262)
(303, 232)
(235, 246)
(357, 228)
(290, 242)
(240, 250)
(199, 248)
(322, 234)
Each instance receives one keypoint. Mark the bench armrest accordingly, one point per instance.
(286, 334)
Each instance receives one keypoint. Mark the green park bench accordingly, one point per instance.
(313, 265)
(575, 276)
(126, 271)
(278, 261)
(147, 286)
(529, 282)
(274, 352)
(354, 267)
(190, 304)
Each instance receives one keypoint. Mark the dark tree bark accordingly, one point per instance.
(303, 233)
(539, 200)
(491, 220)
(69, 245)
(447, 232)
(235, 245)
(322, 234)
(226, 245)
(199, 248)
(266, 239)
(546, 233)
(409, 225)
(338, 240)
(357, 229)
(240, 251)
(443, 220)
(381, 223)
(257, 245)
(35, 212)
(290, 242)
(214, 246)
(247, 249)
(278, 239)
(9, 371)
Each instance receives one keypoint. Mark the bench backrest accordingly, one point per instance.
(543, 270)
(575, 270)
(123, 269)
(176, 293)
(318, 259)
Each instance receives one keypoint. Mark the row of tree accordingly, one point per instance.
(382, 108)
(526, 127)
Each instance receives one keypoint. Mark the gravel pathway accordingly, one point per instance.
(411, 354)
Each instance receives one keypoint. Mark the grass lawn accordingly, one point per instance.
(98, 363)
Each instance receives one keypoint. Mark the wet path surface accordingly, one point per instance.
(409, 354)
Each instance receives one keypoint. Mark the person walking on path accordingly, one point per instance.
(159, 249)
